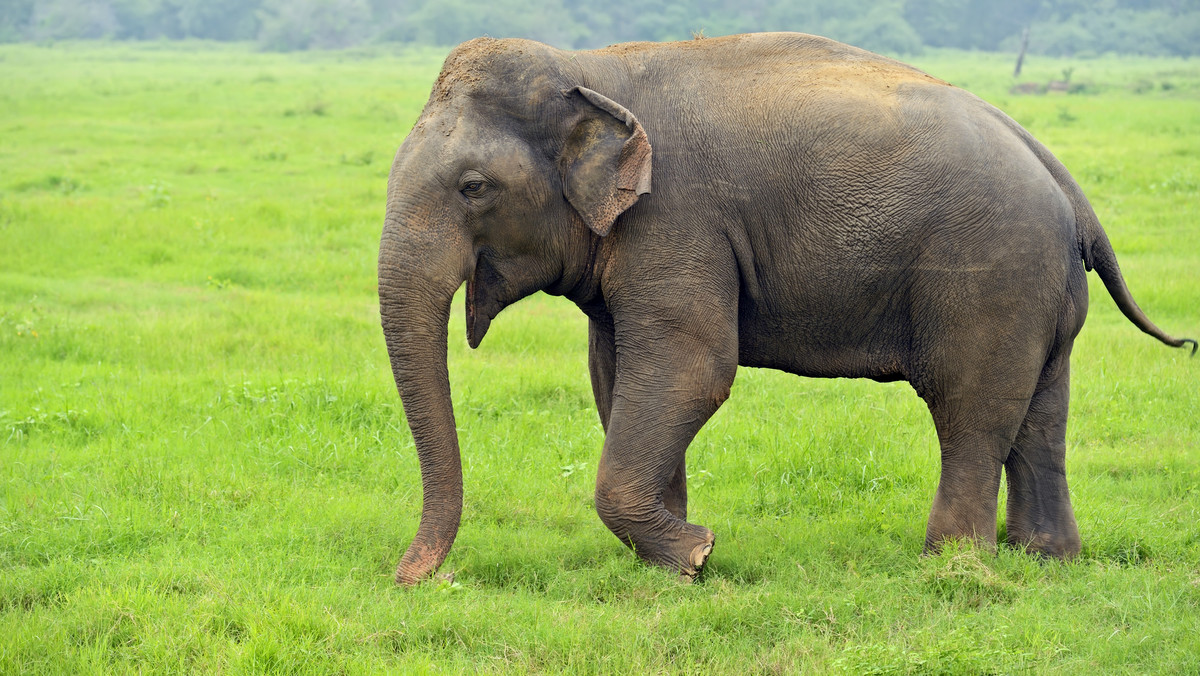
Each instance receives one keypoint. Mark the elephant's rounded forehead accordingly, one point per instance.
(450, 129)
(490, 67)
(455, 138)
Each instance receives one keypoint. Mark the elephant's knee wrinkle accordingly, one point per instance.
(719, 394)
(612, 509)
(707, 395)
(708, 383)
(628, 515)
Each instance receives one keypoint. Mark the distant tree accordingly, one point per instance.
(62, 19)
(147, 19)
(287, 25)
(895, 26)
(390, 19)
(661, 21)
(219, 19)
(1181, 36)
(882, 28)
(449, 22)
(938, 22)
(1021, 52)
(1123, 31)
(15, 16)
(878, 25)
(970, 24)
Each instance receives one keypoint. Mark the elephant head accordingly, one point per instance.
(508, 180)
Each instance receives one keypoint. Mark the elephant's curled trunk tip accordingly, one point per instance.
(1184, 341)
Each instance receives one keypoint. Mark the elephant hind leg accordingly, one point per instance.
(1039, 513)
(964, 507)
(977, 416)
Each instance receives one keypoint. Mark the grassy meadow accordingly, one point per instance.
(204, 465)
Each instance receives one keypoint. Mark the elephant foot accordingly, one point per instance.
(1063, 545)
(696, 559)
(656, 535)
(935, 545)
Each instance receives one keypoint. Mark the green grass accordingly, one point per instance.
(204, 465)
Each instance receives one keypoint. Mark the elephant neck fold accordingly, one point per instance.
(585, 290)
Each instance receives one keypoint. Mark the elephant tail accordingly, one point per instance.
(1100, 255)
(1094, 248)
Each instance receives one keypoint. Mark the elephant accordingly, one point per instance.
(774, 200)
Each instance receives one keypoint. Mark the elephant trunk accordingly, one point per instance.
(420, 268)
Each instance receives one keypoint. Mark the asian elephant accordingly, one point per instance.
(774, 200)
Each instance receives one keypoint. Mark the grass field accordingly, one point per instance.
(204, 465)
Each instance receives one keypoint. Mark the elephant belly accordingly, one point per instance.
(826, 340)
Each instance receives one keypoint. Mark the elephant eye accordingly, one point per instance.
(472, 188)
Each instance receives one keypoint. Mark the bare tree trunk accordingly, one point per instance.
(1021, 55)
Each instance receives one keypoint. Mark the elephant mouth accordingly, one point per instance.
(482, 301)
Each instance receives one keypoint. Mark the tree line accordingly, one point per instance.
(1056, 27)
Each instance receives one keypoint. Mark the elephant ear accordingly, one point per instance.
(605, 162)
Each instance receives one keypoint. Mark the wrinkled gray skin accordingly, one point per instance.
(775, 200)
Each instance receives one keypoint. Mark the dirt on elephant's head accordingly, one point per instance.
(518, 76)
(490, 66)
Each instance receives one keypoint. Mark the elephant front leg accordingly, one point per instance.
(602, 366)
(661, 400)
(675, 495)
(602, 363)
(639, 494)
